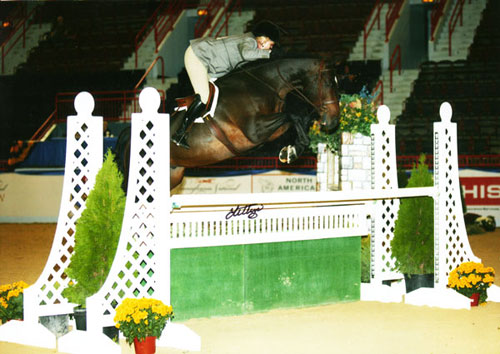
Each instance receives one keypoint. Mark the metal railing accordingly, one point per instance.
(436, 15)
(456, 15)
(391, 16)
(395, 61)
(367, 29)
(18, 34)
(470, 161)
(161, 23)
(115, 106)
(204, 21)
(226, 15)
(378, 96)
(148, 70)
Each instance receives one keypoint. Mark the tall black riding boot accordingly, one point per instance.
(194, 111)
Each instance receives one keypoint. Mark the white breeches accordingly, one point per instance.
(198, 74)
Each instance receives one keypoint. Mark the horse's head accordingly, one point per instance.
(328, 97)
(316, 83)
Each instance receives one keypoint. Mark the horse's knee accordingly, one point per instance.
(176, 176)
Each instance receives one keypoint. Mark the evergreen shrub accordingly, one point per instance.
(413, 242)
(97, 234)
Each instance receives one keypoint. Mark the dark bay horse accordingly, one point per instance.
(258, 103)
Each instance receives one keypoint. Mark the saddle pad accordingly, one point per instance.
(184, 102)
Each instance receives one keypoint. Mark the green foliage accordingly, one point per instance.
(413, 242)
(402, 178)
(357, 114)
(97, 234)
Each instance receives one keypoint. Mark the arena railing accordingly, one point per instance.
(148, 70)
(228, 12)
(17, 34)
(204, 21)
(391, 16)
(490, 161)
(394, 62)
(456, 15)
(114, 106)
(367, 29)
(378, 93)
(161, 23)
(436, 16)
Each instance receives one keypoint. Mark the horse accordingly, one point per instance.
(258, 102)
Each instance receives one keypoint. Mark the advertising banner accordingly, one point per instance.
(36, 198)
(481, 192)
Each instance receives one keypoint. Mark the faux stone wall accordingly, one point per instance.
(350, 171)
(355, 162)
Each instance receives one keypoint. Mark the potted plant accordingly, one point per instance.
(142, 321)
(357, 114)
(413, 242)
(472, 280)
(96, 238)
(11, 301)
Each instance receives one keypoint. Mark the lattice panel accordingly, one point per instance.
(384, 176)
(451, 242)
(135, 271)
(84, 152)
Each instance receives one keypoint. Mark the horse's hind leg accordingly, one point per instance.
(176, 176)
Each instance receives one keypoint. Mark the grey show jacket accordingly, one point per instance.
(221, 55)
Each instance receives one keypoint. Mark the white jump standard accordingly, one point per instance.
(156, 222)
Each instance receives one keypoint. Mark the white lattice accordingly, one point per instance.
(451, 244)
(84, 155)
(142, 264)
(137, 268)
(384, 176)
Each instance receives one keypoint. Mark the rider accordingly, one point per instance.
(214, 57)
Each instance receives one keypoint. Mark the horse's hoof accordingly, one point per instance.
(283, 155)
(292, 154)
(288, 154)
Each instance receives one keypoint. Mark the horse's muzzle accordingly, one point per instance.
(330, 116)
(329, 122)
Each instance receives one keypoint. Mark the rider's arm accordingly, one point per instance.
(249, 50)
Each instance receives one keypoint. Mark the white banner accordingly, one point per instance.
(30, 198)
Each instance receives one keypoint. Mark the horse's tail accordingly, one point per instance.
(122, 155)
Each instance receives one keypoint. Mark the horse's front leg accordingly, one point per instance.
(176, 176)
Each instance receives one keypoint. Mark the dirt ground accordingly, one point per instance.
(357, 327)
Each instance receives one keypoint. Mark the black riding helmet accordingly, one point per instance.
(267, 29)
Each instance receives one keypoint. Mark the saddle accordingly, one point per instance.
(184, 102)
(207, 117)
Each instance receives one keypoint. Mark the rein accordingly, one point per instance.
(296, 89)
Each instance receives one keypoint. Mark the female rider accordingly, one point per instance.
(209, 57)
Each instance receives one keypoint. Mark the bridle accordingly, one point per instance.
(319, 109)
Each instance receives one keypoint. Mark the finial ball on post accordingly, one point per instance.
(84, 104)
(149, 100)
(383, 114)
(445, 111)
